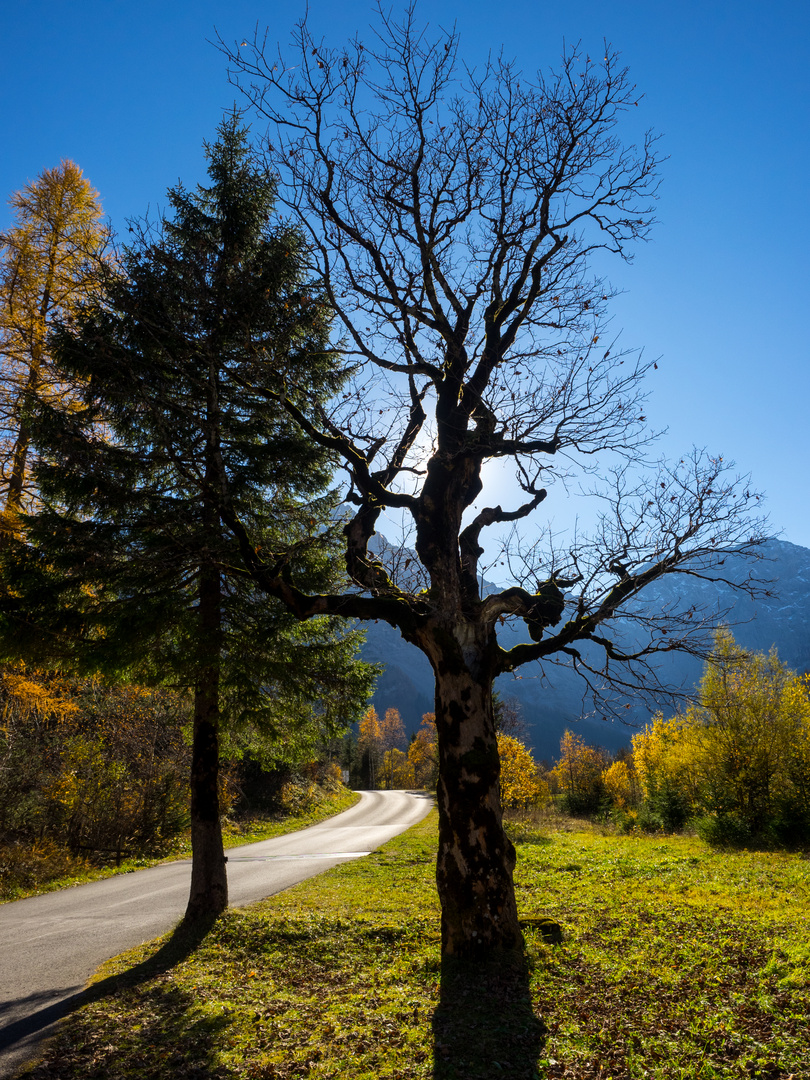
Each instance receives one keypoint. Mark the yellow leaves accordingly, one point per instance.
(578, 773)
(743, 749)
(521, 786)
(423, 754)
(620, 784)
(398, 770)
(51, 261)
(52, 253)
(21, 692)
(370, 734)
(650, 748)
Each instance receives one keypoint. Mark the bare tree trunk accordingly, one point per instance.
(21, 446)
(17, 478)
(19, 460)
(209, 881)
(476, 859)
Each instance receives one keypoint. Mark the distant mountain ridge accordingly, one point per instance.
(553, 701)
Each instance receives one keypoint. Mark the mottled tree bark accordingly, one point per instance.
(476, 859)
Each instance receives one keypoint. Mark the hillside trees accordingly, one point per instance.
(50, 263)
(453, 215)
(129, 567)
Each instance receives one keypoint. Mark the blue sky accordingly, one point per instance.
(130, 91)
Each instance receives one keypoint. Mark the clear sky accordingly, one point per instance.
(130, 91)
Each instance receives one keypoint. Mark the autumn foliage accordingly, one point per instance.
(521, 784)
(423, 754)
(99, 768)
(738, 761)
(49, 264)
(579, 772)
(735, 765)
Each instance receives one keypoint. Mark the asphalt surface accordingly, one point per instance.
(50, 945)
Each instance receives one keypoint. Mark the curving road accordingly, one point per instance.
(50, 945)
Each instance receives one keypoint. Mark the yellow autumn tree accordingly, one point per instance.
(369, 741)
(521, 786)
(620, 784)
(392, 738)
(423, 754)
(579, 773)
(659, 756)
(738, 761)
(397, 770)
(50, 261)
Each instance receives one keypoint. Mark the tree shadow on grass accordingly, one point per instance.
(485, 1025)
(167, 1032)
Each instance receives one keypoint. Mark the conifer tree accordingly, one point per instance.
(49, 264)
(130, 531)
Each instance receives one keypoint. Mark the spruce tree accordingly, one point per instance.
(129, 539)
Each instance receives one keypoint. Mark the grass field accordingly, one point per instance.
(677, 962)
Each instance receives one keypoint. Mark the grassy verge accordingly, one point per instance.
(45, 867)
(678, 963)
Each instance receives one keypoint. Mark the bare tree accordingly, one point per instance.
(453, 215)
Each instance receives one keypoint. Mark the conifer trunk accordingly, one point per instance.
(209, 881)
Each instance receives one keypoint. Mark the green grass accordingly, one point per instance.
(29, 871)
(677, 962)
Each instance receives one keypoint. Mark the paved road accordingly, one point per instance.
(50, 945)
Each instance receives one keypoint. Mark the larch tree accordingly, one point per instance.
(369, 742)
(392, 737)
(454, 215)
(423, 754)
(50, 260)
(126, 566)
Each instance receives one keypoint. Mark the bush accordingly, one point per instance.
(92, 766)
(624, 821)
(26, 866)
(668, 806)
(723, 830)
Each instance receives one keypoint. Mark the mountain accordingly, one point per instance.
(553, 698)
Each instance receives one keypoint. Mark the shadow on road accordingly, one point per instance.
(183, 942)
(485, 1025)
